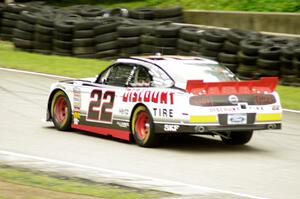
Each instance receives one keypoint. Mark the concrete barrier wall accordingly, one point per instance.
(259, 21)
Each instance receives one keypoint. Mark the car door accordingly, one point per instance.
(102, 99)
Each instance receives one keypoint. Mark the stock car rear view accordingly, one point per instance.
(147, 97)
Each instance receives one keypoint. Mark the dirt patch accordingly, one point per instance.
(15, 191)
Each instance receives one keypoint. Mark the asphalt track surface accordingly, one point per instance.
(268, 167)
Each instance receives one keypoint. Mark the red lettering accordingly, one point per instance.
(163, 98)
(147, 96)
(125, 97)
(140, 96)
(154, 97)
(135, 96)
(171, 98)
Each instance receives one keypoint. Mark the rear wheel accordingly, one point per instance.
(61, 111)
(238, 138)
(142, 127)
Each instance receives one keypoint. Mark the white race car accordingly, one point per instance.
(147, 97)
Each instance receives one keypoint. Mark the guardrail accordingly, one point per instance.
(258, 21)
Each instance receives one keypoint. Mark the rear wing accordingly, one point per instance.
(263, 85)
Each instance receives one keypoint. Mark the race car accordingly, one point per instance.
(147, 97)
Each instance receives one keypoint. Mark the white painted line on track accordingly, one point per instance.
(180, 188)
(35, 73)
(64, 77)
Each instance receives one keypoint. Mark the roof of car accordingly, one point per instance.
(161, 59)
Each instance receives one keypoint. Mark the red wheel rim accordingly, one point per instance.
(61, 109)
(142, 125)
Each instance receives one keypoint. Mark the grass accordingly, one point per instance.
(241, 5)
(66, 66)
(74, 67)
(60, 184)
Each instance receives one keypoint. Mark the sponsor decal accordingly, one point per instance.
(157, 97)
(171, 128)
(77, 104)
(124, 111)
(101, 105)
(234, 109)
(123, 124)
(233, 99)
(162, 112)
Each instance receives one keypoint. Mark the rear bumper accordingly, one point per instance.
(179, 128)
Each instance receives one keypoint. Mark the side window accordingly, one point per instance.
(142, 78)
(120, 75)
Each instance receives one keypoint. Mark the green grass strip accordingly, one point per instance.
(75, 67)
(74, 185)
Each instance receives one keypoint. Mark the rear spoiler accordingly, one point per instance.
(263, 85)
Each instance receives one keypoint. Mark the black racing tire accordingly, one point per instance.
(111, 36)
(129, 30)
(7, 31)
(46, 19)
(107, 46)
(188, 46)
(62, 44)
(6, 37)
(286, 63)
(148, 39)
(62, 36)
(168, 12)
(270, 53)
(268, 64)
(238, 138)
(30, 17)
(128, 41)
(43, 38)
(142, 13)
(215, 46)
(83, 42)
(165, 42)
(288, 52)
(10, 15)
(251, 46)
(167, 31)
(267, 73)
(297, 52)
(107, 53)
(209, 53)
(22, 34)
(44, 29)
(230, 66)
(65, 26)
(230, 47)
(22, 25)
(214, 35)
(86, 56)
(134, 50)
(296, 64)
(237, 35)
(83, 50)
(22, 43)
(246, 59)
(142, 127)
(45, 52)
(191, 34)
(62, 51)
(109, 26)
(86, 25)
(176, 19)
(61, 111)
(9, 22)
(42, 45)
(228, 58)
(147, 49)
(83, 34)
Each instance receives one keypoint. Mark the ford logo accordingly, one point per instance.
(233, 99)
(237, 119)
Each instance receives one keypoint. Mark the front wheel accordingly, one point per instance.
(61, 111)
(238, 138)
(142, 127)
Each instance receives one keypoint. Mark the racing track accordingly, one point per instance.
(267, 167)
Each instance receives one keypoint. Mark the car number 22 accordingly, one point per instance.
(101, 104)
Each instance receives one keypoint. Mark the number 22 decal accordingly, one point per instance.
(101, 105)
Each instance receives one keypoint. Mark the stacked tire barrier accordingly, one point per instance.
(94, 32)
(106, 36)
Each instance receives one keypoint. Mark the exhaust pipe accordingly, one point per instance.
(200, 129)
(271, 126)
